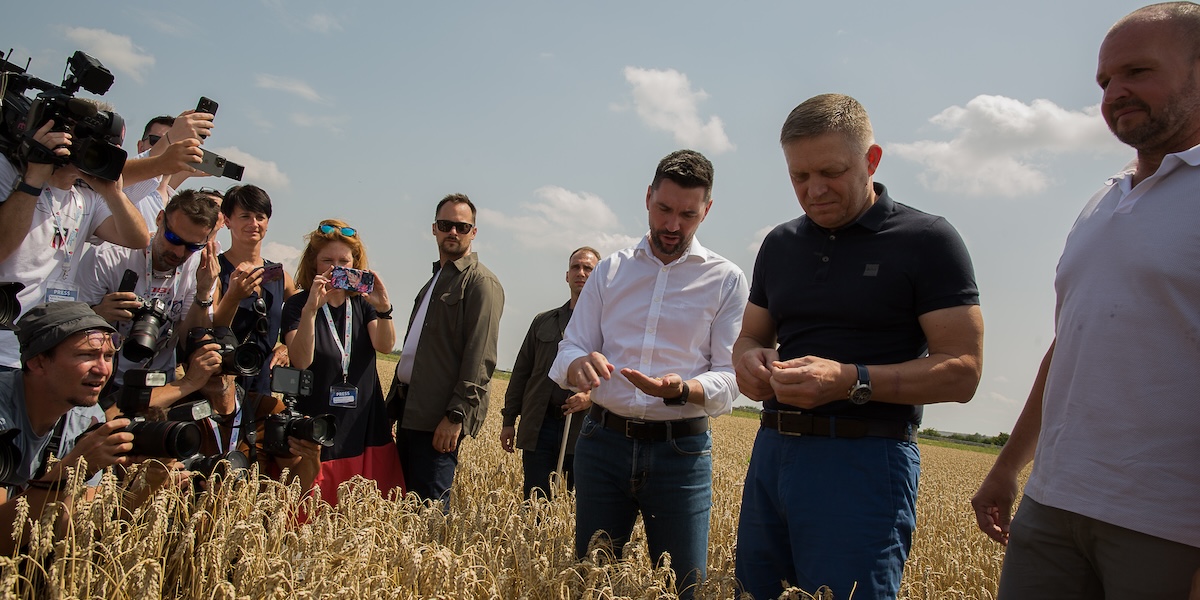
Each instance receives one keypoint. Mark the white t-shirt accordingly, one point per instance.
(64, 222)
(101, 273)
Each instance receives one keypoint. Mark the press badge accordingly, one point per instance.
(61, 291)
(342, 395)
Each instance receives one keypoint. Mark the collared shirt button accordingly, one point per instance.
(824, 259)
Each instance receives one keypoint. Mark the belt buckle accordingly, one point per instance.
(779, 427)
(629, 422)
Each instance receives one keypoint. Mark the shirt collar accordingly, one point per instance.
(874, 217)
(461, 264)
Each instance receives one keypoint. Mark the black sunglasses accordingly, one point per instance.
(153, 139)
(445, 226)
(175, 240)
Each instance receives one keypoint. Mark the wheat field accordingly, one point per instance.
(242, 541)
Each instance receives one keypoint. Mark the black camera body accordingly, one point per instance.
(96, 134)
(236, 358)
(290, 422)
(159, 439)
(10, 455)
(149, 318)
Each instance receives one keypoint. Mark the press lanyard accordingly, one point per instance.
(233, 434)
(344, 349)
(63, 236)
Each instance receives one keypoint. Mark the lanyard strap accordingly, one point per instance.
(233, 433)
(64, 237)
(344, 349)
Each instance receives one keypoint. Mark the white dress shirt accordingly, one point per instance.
(680, 318)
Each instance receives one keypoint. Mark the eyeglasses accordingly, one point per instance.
(98, 339)
(327, 229)
(175, 240)
(153, 139)
(445, 226)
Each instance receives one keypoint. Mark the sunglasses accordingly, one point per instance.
(445, 226)
(327, 229)
(175, 240)
(207, 191)
(261, 325)
(153, 139)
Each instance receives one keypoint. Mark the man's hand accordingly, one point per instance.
(117, 306)
(305, 461)
(667, 386)
(445, 437)
(586, 372)
(810, 381)
(208, 270)
(754, 370)
(180, 155)
(578, 402)
(102, 447)
(190, 124)
(993, 504)
(57, 143)
(508, 435)
(203, 365)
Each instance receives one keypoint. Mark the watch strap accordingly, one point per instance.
(25, 188)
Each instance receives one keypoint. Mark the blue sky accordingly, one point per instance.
(551, 116)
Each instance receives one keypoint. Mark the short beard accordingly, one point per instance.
(658, 244)
(1159, 128)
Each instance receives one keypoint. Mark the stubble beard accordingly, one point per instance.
(1182, 105)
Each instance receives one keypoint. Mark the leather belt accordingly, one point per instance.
(650, 431)
(794, 423)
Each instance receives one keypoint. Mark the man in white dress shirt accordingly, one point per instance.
(665, 313)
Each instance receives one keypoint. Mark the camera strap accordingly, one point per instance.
(343, 348)
(249, 405)
(52, 447)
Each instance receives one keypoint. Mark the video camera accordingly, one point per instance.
(95, 134)
(290, 422)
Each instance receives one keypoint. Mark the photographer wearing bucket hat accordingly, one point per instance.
(66, 358)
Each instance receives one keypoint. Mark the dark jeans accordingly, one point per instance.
(669, 482)
(540, 462)
(827, 511)
(427, 472)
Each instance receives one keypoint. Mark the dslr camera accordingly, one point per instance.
(236, 358)
(289, 422)
(159, 439)
(96, 134)
(148, 320)
(10, 307)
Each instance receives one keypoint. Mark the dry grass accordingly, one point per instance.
(237, 541)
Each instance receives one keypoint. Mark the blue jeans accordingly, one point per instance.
(669, 482)
(427, 472)
(827, 511)
(540, 462)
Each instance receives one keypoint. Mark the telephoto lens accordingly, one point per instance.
(164, 439)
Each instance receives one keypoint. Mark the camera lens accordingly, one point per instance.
(142, 341)
(247, 359)
(10, 455)
(165, 439)
(10, 308)
(315, 429)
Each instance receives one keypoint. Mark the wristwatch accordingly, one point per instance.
(860, 392)
(455, 416)
(681, 399)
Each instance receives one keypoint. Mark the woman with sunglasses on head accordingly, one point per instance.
(253, 288)
(335, 333)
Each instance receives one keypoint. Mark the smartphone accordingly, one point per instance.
(272, 272)
(128, 281)
(215, 164)
(354, 280)
(206, 105)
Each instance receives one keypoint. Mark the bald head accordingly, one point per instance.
(1184, 16)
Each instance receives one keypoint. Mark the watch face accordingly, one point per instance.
(860, 394)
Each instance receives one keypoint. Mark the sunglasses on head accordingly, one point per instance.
(175, 240)
(327, 229)
(207, 191)
(445, 226)
(153, 139)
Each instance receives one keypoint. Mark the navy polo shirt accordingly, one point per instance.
(853, 295)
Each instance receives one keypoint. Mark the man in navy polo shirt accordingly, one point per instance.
(874, 308)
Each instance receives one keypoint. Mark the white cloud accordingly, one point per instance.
(998, 397)
(333, 123)
(1002, 146)
(294, 87)
(664, 100)
(759, 236)
(117, 52)
(264, 173)
(283, 253)
(562, 220)
(321, 23)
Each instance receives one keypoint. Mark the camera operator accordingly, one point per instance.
(174, 289)
(235, 412)
(48, 213)
(66, 356)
